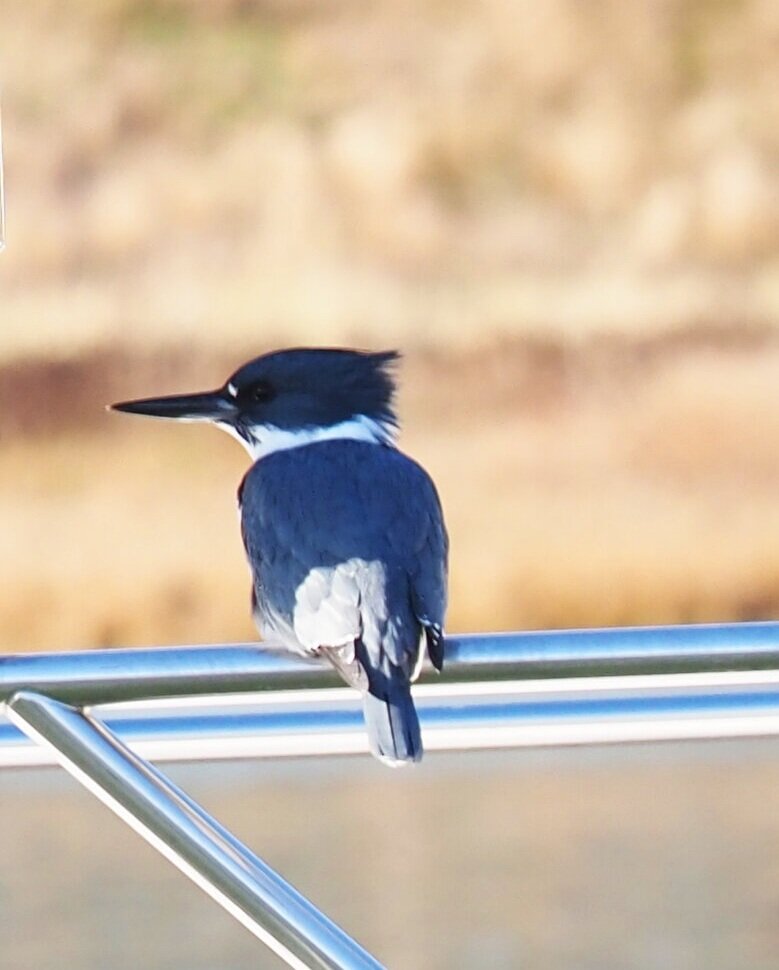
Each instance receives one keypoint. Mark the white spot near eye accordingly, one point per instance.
(232, 390)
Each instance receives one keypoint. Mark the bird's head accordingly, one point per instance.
(292, 397)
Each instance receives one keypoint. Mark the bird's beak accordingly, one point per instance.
(210, 406)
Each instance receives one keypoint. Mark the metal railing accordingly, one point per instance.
(499, 690)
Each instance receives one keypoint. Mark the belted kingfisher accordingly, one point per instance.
(344, 534)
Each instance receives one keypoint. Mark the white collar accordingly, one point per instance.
(265, 439)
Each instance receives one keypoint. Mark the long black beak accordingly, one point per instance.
(210, 406)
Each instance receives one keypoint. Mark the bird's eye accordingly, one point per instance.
(262, 392)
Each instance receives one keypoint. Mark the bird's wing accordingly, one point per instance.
(295, 532)
(428, 574)
(327, 606)
(422, 545)
(324, 614)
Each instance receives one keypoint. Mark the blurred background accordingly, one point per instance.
(566, 217)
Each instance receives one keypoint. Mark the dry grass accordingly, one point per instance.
(415, 173)
(532, 200)
(613, 484)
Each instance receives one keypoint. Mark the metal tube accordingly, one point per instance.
(104, 676)
(185, 834)
(453, 717)
(612, 651)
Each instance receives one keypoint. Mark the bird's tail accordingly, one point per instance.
(393, 725)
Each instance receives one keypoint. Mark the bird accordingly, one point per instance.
(343, 532)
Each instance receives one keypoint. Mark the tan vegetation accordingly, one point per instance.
(594, 486)
(565, 214)
(434, 172)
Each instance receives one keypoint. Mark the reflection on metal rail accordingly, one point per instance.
(468, 716)
(498, 690)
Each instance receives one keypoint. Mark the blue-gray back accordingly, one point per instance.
(361, 526)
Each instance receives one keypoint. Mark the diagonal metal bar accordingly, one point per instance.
(186, 835)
